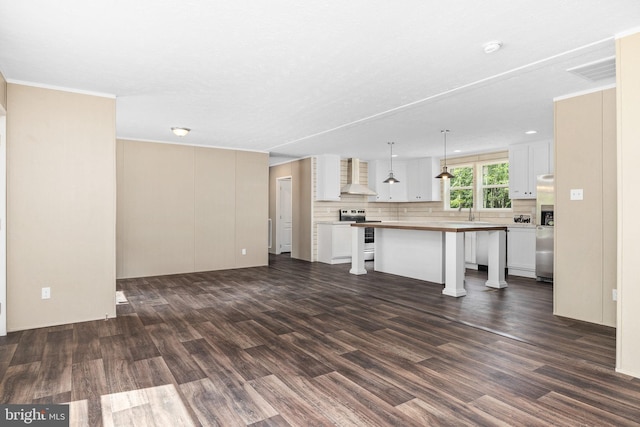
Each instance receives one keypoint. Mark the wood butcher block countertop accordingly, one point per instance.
(455, 227)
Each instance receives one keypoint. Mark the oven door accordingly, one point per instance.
(369, 243)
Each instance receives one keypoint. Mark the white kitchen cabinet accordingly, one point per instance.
(482, 248)
(422, 186)
(470, 250)
(334, 243)
(378, 172)
(476, 249)
(521, 251)
(526, 162)
(328, 177)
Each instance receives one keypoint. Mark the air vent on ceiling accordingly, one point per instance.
(597, 70)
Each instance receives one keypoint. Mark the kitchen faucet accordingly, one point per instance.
(471, 217)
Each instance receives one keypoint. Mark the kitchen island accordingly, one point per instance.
(431, 251)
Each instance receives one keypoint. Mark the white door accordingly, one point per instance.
(284, 215)
(3, 223)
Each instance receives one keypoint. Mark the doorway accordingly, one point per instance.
(284, 215)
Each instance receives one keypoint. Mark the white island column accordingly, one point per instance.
(357, 251)
(454, 270)
(497, 259)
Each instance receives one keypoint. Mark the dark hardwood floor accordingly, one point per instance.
(308, 344)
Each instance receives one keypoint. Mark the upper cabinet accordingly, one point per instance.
(422, 186)
(417, 180)
(378, 172)
(526, 162)
(328, 177)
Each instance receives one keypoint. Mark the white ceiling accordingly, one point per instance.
(298, 78)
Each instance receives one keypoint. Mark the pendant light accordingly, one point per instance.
(391, 179)
(444, 174)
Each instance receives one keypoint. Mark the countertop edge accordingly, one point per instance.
(453, 228)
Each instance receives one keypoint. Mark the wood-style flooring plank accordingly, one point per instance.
(176, 356)
(290, 405)
(86, 342)
(211, 406)
(56, 365)
(369, 406)
(429, 413)
(89, 384)
(30, 347)
(18, 383)
(585, 414)
(219, 352)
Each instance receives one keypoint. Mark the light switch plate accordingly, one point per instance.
(577, 194)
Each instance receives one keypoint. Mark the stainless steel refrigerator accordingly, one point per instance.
(545, 201)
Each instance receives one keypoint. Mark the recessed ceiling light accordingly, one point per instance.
(492, 46)
(457, 151)
(394, 155)
(531, 132)
(180, 131)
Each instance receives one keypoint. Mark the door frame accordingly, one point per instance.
(278, 248)
(3, 222)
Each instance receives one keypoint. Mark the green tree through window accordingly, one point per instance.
(495, 186)
(479, 185)
(461, 187)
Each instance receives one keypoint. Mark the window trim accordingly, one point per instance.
(447, 186)
(479, 186)
(476, 187)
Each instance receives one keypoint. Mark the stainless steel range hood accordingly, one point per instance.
(353, 180)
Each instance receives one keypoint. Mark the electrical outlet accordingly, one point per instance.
(576, 194)
(46, 293)
(614, 294)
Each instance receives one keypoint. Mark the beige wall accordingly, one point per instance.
(628, 103)
(251, 208)
(184, 209)
(300, 172)
(60, 207)
(585, 235)
(3, 93)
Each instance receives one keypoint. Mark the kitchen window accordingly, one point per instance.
(493, 191)
(459, 189)
(479, 185)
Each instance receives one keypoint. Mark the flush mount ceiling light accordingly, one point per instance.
(492, 46)
(444, 174)
(391, 179)
(531, 132)
(180, 131)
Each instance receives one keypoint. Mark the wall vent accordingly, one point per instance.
(597, 70)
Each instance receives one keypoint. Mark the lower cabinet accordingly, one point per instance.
(521, 251)
(334, 243)
(470, 246)
(476, 249)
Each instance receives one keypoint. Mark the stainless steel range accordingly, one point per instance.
(359, 215)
